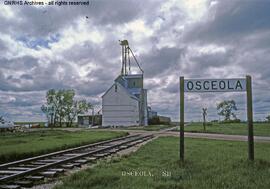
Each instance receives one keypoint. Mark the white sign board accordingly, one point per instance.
(214, 85)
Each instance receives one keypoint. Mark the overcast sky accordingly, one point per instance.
(44, 47)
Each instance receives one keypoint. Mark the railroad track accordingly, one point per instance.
(27, 172)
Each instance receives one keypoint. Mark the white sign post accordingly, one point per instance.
(218, 85)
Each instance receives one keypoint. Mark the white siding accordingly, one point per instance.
(119, 108)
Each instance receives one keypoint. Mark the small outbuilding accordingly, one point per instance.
(86, 120)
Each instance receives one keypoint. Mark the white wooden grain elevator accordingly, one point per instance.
(125, 102)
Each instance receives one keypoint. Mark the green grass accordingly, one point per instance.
(14, 146)
(209, 164)
(260, 129)
(148, 128)
(42, 124)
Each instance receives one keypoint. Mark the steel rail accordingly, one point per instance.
(44, 167)
(63, 151)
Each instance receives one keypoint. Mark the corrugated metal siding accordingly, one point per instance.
(118, 108)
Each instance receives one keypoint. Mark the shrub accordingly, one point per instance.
(154, 121)
(231, 121)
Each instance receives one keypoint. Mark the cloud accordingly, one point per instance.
(160, 60)
(230, 21)
(77, 47)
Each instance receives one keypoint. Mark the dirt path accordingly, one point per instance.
(217, 136)
(168, 132)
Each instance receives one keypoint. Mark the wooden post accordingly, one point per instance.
(204, 119)
(250, 119)
(181, 118)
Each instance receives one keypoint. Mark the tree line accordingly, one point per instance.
(227, 109)
(61, 107)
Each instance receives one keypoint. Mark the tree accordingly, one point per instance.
(268, 118)
(78, 107)
(51, 108)
(65, 99)
(226, 109)
(49, 111)
(61, 107)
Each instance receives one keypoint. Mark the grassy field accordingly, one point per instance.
(42, 124)
(209, 164)
(14, 146)
(260, 129)
(148, 128)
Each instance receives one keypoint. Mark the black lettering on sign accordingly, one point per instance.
(198, 85)
(229, 87)
(222, 85)
(214, 85)
(189, 85)
(204, 85)
(238, 84)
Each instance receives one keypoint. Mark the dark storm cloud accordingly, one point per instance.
(35, 77)
(172, 87)
(21, 63)
(86, 52)
(52, 77)
(242, 28)
(33, 22)
(115, 12)
(108, 74)
(158, 61)
(26, 76)
(12, 104)
(257, 62)
(4, 84)
(259, 41)
(217, 59)
(3, 47)
(229, 21)
(40, 22)
(198, 64)
(93, 88)
(105, 66)
(5, 25)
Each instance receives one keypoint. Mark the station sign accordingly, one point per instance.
(214, 85)
(218, 85)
